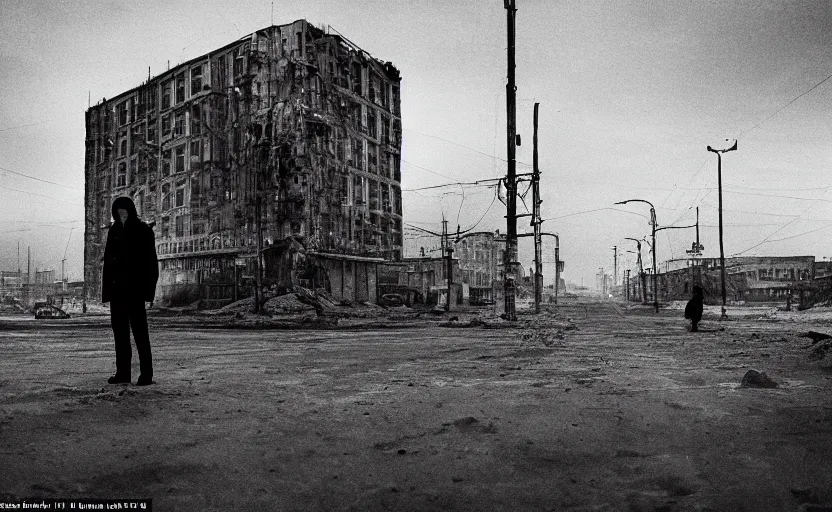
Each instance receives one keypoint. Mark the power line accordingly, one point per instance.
(481, 183)
(464, 146)
(41, 195)
(426, 169)
(39, 179)
(785, 106)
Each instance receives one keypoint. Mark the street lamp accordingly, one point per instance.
(653, 224)
(721, 249)
(641, 275)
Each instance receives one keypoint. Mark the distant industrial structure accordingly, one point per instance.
(278, 155)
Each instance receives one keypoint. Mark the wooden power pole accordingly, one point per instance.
(510, 256)
(536, 220)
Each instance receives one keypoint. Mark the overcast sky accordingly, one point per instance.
(631, 93)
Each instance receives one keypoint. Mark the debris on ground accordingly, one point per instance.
(755, 379)
(817, 336)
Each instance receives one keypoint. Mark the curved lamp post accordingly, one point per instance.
(641, 275)
(721, 250)
(653, 224)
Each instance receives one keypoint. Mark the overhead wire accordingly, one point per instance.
(40, 179)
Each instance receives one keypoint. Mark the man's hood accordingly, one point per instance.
(127, 204)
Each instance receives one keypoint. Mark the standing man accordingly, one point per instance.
(694, 308)
(129, 280)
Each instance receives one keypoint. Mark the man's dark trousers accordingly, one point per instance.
(127, 313)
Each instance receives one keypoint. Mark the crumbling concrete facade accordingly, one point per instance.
(480, 260)
(290, 132)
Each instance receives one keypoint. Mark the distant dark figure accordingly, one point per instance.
(693, 310)
(129, 279)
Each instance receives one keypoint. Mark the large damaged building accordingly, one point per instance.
(291, 135)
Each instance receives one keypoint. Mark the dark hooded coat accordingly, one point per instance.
(131, 268)
(694, 308)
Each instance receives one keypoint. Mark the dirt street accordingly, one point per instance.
(627, 411)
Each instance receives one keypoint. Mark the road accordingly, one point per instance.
(625, 411)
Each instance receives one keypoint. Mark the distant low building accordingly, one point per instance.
(748, 279)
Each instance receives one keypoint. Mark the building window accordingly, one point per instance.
(196, 80)
(151, 132)
(180, 196)
(371, 124)
(239, 64)
(180, 159)
(180, 226)
(165, 227)
(179, 125)
(372, 156)
(385, 130)
(180, 88)
(166, 162)
(221, 71)
(355, 76)
(166, 96)
(122, 113)
(166, 196)
(195, 148)
(121, 177)
(134, 167)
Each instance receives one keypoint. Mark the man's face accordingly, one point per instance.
(122, 215)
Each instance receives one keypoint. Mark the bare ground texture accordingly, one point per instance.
(627, 411)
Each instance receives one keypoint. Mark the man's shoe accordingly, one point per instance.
(144, 381)
(118, 379)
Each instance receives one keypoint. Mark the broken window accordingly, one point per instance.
(121, 177)
(122, 113)
(372, 157)
(371, 124)
(395, 101)
(397, 171)
(166, 162)
(166, 95)
(196, 79)
(384, 136)
(195, 120)
(239, 65)
(179, 165)
(180, 87)
(151, 132)
(355, 76)
(179, 124)
(180, 196)
(221, 71)
(166, 196)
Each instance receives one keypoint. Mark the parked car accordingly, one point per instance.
(44, 311)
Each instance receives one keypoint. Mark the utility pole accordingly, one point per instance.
(557, 266)
(615, 265)
(536, 221)
(721, 249)
(628, 285)
(510, 256)
(447, 252)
